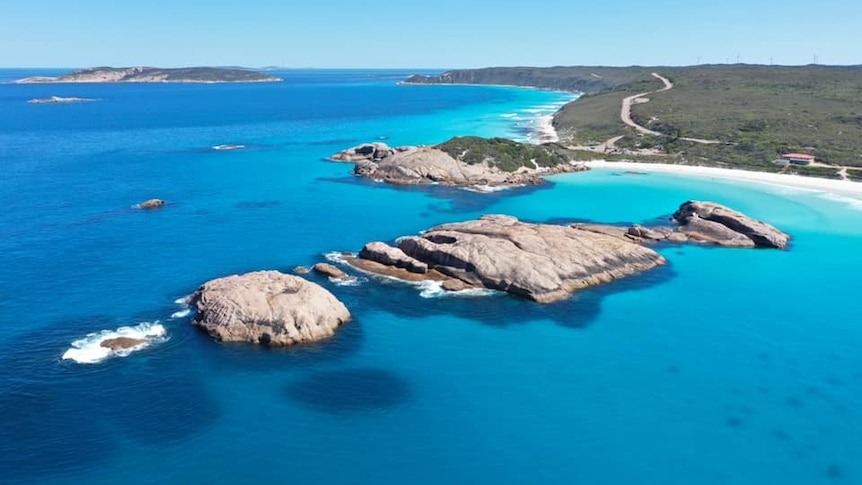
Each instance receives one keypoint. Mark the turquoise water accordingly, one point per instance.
(726, 366)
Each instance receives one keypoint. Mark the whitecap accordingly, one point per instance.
(89, 350)
(509, 115)
(182, 313)
(434, 289)
(348, 281)
(485, 189)
(228, 147)
(338, 257)
(851, 202)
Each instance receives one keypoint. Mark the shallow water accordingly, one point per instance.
(726, 366)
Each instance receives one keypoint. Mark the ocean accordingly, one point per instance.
(723, 367)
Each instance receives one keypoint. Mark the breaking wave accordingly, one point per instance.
(89, 350)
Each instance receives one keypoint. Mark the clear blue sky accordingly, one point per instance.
(432, 33)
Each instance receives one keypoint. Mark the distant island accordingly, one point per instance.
(155, 75)
(60, 100)
(731, 116)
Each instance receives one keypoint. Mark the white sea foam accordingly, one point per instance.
(484, 189)
(348, 281)
(182, 313)
(182, 300)
(509, 115)
(851, 202)
(228, 147)
(338, 257)
(434, 289)
(89, 350)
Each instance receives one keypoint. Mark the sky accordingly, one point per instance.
(427, 34)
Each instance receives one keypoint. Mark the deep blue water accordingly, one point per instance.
(726, 366)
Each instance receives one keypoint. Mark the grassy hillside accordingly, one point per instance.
(507, 155)
(761, 111)
(757, 112)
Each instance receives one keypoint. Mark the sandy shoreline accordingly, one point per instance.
(843, 187)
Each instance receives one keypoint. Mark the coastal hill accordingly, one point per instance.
(155, 75)
(462, 161)
(739, 115)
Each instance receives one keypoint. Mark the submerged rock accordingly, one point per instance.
(542, 262)
(711, 222)
(268, 308)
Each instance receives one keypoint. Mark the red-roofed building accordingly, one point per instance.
(798, 158)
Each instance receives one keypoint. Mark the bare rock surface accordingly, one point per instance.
(542, 262)
(267, 307)
(721, 225)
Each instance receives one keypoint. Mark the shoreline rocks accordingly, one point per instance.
(267, 308)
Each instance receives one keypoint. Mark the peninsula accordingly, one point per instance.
(729, 116)
(155, 75)
(481, 163)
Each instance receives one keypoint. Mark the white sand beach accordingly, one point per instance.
(844, 187)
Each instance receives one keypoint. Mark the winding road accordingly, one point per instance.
(626, 112)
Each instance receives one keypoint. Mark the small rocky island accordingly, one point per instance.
(267, 308)
(155, 75)
(60, 100)
(541, 262)
(547, 262)
(462, 161)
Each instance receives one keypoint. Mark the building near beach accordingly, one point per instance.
(797, 158)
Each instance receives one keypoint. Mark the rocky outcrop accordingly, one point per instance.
(268, 308)
(542, 262)
(328, 270)
(389, 256)
(366, 152)
(431, 165)
(151, 204)
(715, 223)
(122, 343)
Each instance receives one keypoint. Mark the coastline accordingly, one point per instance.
(843, 187)
(543, 130)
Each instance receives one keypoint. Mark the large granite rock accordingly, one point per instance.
(542, 262)
(267, 307)
(711, 222)
(431, 165)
